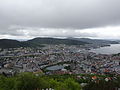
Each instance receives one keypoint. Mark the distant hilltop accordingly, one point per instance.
(39, 42)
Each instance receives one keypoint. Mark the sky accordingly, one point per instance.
(26, 19)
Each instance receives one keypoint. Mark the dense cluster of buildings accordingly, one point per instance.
(74, 59)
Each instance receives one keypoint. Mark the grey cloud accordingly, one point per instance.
(52, 32)
(65, 14)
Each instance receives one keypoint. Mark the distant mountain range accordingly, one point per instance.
(95, 41)
(39, 42)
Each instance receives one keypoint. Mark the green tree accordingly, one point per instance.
(7, 83)
(27, 81)
(72, 85)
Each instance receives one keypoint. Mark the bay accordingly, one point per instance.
(112, 49)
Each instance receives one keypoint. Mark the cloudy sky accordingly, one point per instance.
(25, 19)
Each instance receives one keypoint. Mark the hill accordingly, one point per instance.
(95, 41)
(37, 42)
(7, 43)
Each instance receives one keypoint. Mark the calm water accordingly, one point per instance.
(113, 49)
